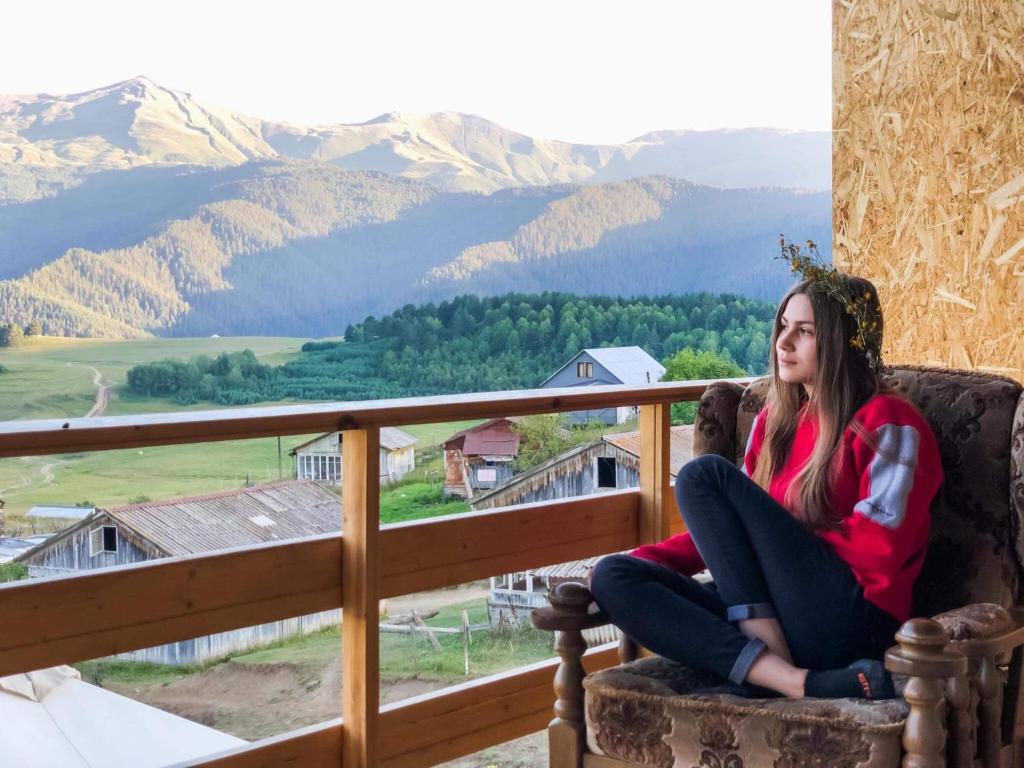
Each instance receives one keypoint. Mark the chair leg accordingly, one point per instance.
(989, 682)
(922, 655)
(960, 748)
(924, 736)
(567, 732)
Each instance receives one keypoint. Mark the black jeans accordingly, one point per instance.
(765, 564)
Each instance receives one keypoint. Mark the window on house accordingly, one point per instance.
(584, 370)
(605, 472)
(102, 539)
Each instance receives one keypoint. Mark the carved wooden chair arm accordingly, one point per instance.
(572, 609)
(984, 629)
(956, 671)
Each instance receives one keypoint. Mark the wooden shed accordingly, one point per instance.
(480, 457)
(320, 458)
(138, 533)
(606, 464)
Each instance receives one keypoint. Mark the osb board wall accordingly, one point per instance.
(928, 174)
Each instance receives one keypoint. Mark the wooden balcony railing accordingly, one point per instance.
(74, 618)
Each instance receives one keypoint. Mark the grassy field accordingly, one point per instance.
(401, 656)
(53, 378)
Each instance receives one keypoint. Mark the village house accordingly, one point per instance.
(606, 365)
(481, 457)
(289, 509)
(320, 458)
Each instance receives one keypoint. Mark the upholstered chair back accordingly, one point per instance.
(976, 546)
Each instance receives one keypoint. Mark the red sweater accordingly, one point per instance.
(883, 504)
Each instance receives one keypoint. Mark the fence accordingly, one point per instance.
(73, 618)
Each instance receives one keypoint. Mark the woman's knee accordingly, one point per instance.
(704, 469)
(612, 574)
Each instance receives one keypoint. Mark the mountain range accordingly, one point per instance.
(133, 209)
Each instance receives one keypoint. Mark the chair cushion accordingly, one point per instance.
(654, 712)
(975, 621)
(971, 553)
(714, 429)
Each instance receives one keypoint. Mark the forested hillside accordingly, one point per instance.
(468, 344)
(305, 248)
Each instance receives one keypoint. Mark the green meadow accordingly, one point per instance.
(53, 378)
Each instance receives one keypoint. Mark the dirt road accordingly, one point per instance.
(102, 394)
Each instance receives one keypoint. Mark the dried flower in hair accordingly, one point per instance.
(867, 336)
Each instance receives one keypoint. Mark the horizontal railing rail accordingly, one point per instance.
(124, 608)
(73, 618)
(104, 433)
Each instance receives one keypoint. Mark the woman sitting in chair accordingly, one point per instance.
(815, 542)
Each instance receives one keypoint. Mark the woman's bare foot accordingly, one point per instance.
(772, 671)
(770, 631)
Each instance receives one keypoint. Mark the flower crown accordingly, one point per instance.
(867, 337)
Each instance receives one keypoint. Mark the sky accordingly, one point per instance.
(587, 72)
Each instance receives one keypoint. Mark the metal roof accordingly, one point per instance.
(494, 437)
(391, 438)
(11, 548)
(296, 508)
(680, 445)
(630, 365)
(574, 569)
(62, 513)
(491, 444)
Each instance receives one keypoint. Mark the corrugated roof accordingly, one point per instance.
(630, 365)
(680, 448)
(391, 438)
(196, 524)
(574, 569)
(486, 425)
(491, 444)
(60, 513)
(11, 547)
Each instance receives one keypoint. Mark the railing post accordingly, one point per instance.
(360, 580)
(656, 500)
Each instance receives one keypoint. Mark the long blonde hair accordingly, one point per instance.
(844, 382)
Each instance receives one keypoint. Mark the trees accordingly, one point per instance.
(11, 335)
(473, 344)
(544, 437)
(687, 364)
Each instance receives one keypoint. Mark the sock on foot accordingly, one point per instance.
(864, 679)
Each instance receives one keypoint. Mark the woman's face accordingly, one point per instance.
(795, 347)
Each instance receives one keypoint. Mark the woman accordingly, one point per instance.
(815, 542)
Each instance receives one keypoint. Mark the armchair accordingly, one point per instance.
(959, 672)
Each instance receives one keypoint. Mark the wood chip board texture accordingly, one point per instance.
(928, 174)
